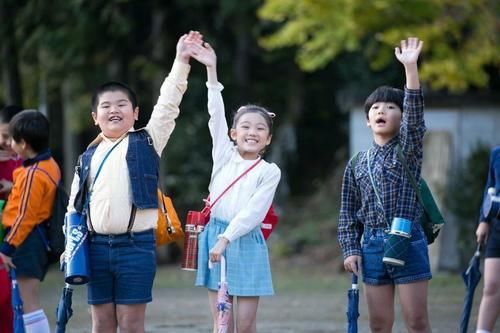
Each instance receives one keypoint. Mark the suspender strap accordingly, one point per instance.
(86, 206)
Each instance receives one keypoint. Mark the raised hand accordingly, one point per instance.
(205, 54)
(409, 51)
(185, 43)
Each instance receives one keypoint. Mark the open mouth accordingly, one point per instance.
(115, 118)
(380, 121)
(251, 141)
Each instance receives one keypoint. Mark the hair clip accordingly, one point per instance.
(271, 114)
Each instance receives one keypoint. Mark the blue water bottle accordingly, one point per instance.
(76, 252)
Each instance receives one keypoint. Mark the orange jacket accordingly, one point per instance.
(30, 201)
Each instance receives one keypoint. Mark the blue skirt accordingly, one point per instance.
(248, 272)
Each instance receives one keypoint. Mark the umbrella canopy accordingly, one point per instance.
(471, 277)
(224, 304)
(17, 304)
(352, 306)
(64, 310)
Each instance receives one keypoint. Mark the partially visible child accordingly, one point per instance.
(123, 208)
(9, 161)
(396, 118)
(489, 232)
(234, 226)
(29, 205)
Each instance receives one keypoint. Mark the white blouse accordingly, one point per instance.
(246, 203)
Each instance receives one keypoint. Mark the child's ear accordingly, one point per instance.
(136, 113)
(269, 138)
(94, 116)
(232, 134)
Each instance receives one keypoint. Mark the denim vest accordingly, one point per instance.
(143, 165)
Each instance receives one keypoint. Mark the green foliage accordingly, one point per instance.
(461, 37)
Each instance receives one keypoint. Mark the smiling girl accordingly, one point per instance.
(234, 226)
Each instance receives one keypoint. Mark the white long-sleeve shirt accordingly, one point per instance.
(246, 203)
(111, 201)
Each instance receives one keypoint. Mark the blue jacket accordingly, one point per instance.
(493, 176)
(143, 165)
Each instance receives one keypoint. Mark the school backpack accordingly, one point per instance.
(55, 240)
(269, 223)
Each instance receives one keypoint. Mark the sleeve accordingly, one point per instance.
(222, 145)
(491, 182)
(75, 186)
(166, 110)
(256, 208)
(413, 128)
(34, 196)
(349, 230)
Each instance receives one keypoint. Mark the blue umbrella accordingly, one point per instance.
(17, 304)
(64, 310)
(352, 306)
(471, 277)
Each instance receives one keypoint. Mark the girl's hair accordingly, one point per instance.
(8, 112)
(251, 108)
(385, 94)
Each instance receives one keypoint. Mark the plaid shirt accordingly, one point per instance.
(359, 206)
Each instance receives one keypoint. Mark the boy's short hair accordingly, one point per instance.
(385, 94)
(8, 112)
(113, 86)
(32, 127)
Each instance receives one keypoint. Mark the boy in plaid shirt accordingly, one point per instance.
(395, 117)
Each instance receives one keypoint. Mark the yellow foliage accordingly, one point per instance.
(461, 36)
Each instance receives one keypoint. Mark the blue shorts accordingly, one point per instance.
(30, 258)
(122, 268)
(493, 245)
(375, 272)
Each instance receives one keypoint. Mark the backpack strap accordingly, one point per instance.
(413, 182)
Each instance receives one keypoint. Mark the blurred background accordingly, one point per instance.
(311, 62)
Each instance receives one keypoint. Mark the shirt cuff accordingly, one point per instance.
(352, 252)
(7, 249)
(217, 86)
(179, 71)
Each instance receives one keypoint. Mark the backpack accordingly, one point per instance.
(269, 223)
(54, 239)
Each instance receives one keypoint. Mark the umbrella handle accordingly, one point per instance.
(354, 281)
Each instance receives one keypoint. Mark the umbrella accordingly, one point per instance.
(17, 304)
(471, 277)
(352, 306)
(64, 310)
(224, 304)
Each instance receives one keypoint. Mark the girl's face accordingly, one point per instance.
(115, 114)
(251, 135)
(5, 137)
(384, 118)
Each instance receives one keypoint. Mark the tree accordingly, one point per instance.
(461, 37)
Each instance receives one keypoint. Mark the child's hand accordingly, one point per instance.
(482, 231)
(409, 51)
(5, 186)
(352, 264)
(7, 262)
(185, 43)
(219, 247)
(205, 54)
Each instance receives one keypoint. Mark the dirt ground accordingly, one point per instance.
(308, 299)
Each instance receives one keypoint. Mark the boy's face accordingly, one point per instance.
(384, 118)
(21, 148)
(115, 114)
(5, 137)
